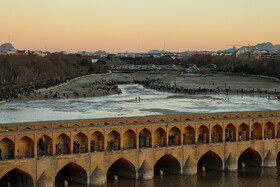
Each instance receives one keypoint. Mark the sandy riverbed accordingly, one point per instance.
(95, 85)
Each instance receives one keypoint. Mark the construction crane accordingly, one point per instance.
(248, 45)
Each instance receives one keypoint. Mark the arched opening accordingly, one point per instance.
(278, 130)
(230, 133)
(210, 160)
(80, 144)
(145, 138)
(63, 144)
(160, 137)
(129, 140)
(97, 142)
(7, 148)
(122, 168)
(174, 137)
(25, 148)
(203, 134)
(73, 174)
(250, 157)
(256, 131)
(162, 120)
(189, 135)
(187, 119)
(217, 134)
(243, 132)
(278, 159)
(16, 177)
(44, 146)
(269, 131)
(169, 164)
(113, 141)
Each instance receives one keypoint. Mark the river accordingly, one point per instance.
(248, 177)
(152, 102)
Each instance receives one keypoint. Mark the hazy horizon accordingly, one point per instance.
(120, 26)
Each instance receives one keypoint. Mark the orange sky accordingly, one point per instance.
(120, 25)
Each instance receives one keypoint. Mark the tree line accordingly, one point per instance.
(268, 67)
(23, 73)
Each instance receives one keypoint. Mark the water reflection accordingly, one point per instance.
(124, 105)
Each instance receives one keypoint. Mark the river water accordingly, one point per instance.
(248, 177)
(124, 105)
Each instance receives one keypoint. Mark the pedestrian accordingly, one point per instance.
(0, 154)
(111, 144)
(78, 147)
(213, 138)
(74, 146)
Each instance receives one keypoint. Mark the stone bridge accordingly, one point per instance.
(91, 151)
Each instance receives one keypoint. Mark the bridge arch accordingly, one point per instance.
(97, 142)
(113, 140)
(210, 160)
(44, 145)
(189, 135)
(269, 130)
(63, 144)
(159, 137)
(129, 139)
(123, 168)
(80, 143)
(8, 148)
(230, 132)
(278, 159)
(256, 131)
(217, 134)
(174, 136)
(250, 157)
(145, 138)
(169, 164)
(71, 172)
(17, 177)
(203, 134)
(243, 132)
(25, 147)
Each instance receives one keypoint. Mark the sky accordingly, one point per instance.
(138, 25)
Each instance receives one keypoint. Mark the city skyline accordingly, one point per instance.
(138, 27)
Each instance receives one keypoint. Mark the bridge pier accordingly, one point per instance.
(145, 171)
(190, 167)
(231, 164)
(269, 160)
(98, 177)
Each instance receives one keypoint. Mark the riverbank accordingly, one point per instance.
(97, 85)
